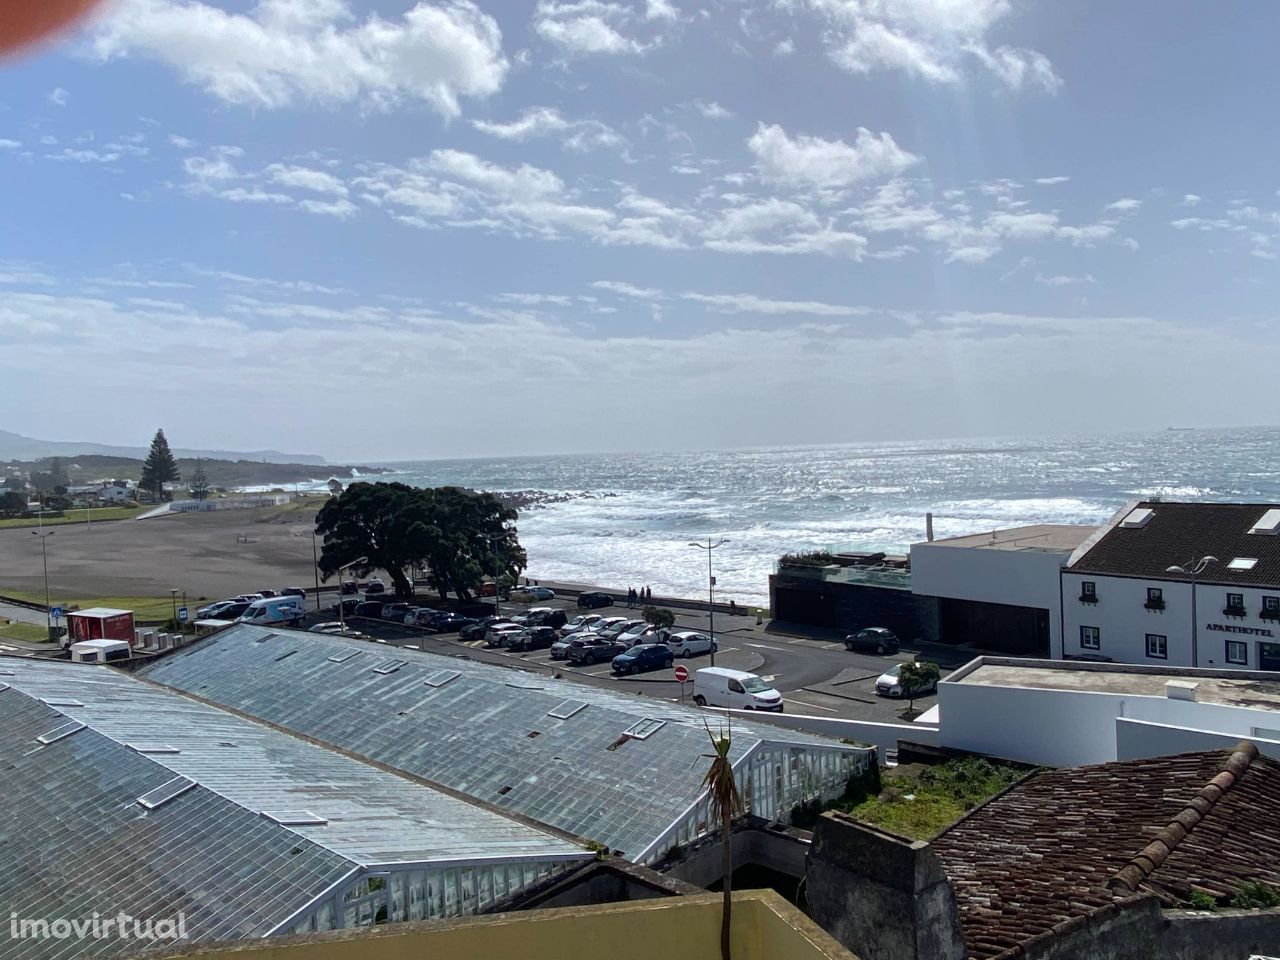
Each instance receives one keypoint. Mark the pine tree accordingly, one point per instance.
(160, 467)
(199, 483)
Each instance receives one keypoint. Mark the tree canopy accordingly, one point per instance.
(199, 483)
(160, 467)
(458, 535)
(917, 676)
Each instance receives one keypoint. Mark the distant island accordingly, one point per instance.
(227, 474)
(14, 446)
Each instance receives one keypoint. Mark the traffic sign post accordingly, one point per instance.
(182, 614)
(56, 612)
(682, 675)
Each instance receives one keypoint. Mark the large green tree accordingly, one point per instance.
(12, 504)
(458, 535)
(159, 468)
(199, 483)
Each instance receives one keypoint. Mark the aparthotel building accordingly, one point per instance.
(1177, 584)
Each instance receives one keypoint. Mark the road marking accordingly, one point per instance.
(762, 646)
(812, 706)
(831, 646)
(412, 646)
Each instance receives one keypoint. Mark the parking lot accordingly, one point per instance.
(818, 677)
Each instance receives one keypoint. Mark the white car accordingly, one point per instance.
(602, 624)
(580, 622)
(500, 633)
(641, 633)
(688, 643)
(889, 684)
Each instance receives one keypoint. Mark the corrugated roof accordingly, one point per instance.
(491, 732)
(372, 817)
(1177, 534)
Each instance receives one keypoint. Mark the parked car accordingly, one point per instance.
(349, 586)
(594, 599)
(500, 634)
(418, 616)
(560, 649)
(368, 608)
(374, 586)
(293, 592)
(449, 622)
(604, 623)
(523, 618)
(593, 648)
(580, 622)
(347, 605)
(211, 610)
(546, 617)
(272, 610)
(619, 628)
(688, 643)
(889, 684)
(232, 611)
(640, 633)
(734, 689)
(540, 593)
(477, 630)
(532, 638)
(267, 593)
(331, 626)
(249, 597)
(642, 657)
(877, 640)
(395, 611)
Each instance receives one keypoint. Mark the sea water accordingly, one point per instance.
(639, 512)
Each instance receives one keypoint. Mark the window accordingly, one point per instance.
(735, 687)
(1237, 652)
(1270, 608)
(1155, 598)
(1157, 646)
(1088, 591)
(1090, 638)
(1235, 605)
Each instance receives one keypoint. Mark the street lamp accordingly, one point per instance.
(315, 568)
(44, 554)
(1193, 569)
(497, 587)
(342, 619)
(173, 597)
(711, 590)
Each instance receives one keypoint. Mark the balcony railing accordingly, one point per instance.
(893, 578)
(1234, 612)
(1154, 605)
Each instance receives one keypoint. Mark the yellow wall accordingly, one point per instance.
(765, 927)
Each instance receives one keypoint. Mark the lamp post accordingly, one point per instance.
(44, 555)
(315, 569)
(173, 597)
(497, 587)
(1193, 569)
(342, 619)
(711, 590)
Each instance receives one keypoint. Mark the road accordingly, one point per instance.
(816, 677)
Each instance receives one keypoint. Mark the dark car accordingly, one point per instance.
(293, 592)
(374, 586)
(350, 586)
(533, 638)
(593, 649)
(477, 630)
(547, 618)
(593, 599)
(348, 606)
(644, 656)
(449, 623)
(267, 593)
(875, 640)
(234, 611)
(368, 608)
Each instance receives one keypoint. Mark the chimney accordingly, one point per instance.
(1180, 689)
(928, 527)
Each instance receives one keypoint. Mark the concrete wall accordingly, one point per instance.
(1138, 739)
(784, 852)
(884, 897)
(1020, 578)
(850, 607)
(882, 736)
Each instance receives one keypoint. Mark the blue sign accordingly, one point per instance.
(55, 612)
(182, 614)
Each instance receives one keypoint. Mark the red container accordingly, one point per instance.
(101, 623)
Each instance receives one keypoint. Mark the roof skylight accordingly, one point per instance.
(1242, 563)
(162, 794)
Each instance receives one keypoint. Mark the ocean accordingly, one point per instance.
(637, 513)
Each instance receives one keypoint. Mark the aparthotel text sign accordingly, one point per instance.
(1232, 628)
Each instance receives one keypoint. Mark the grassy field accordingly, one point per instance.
(923, 804)
(75, 516)
(29, 632)
(144, 608)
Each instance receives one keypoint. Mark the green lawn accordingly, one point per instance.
(144, 608)
(75, 516)
(29, 632)
(922, 805)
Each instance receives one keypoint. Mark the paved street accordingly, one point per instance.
(816, 676)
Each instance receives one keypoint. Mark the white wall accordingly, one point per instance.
(1138, 739)
(1020, 578)
(1125, 622)
(883, 736)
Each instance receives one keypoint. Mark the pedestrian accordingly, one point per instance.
(733, 608)
(648, 594)
(631, 597)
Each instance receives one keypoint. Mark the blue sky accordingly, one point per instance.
(393, 230)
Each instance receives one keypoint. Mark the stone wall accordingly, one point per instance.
(883, 897)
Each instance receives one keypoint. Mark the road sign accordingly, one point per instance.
(182, 614)
(55, 612)
(682, 673)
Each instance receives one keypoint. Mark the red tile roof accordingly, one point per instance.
(1066, 843)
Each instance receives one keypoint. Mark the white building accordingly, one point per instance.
(1061, 714)
(1177, 584)
(999, 589)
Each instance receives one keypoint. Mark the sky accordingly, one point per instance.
(391, 231)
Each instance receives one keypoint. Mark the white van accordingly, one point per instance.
(734, 689)
(274, 610)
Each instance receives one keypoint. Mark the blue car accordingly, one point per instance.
(644, 656)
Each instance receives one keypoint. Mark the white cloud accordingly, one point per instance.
(305, 178)
(1064, 280)
(660, 10)
(537, 122)
(1050, 181)
(1125, 205)
(58, 97)
(85, 156)
(342, 208)
(10, 144)
(629, 290)
(1190, 200)
(930, 39)
(712, 110)
(812, 161)
(285, 51)
(182, 143)
(748, 303)
(586, 26)
(781, 227)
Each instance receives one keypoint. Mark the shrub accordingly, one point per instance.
(1252, 895)
(1199, 900)
(806, 813)
(862, 785)
(814, 558)
(659, 617)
